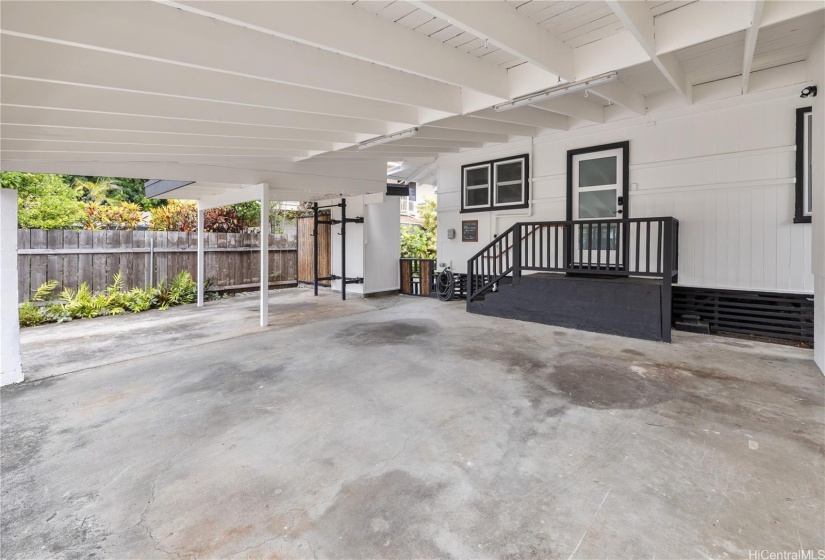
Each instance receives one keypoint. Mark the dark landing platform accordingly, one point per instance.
(620, 306)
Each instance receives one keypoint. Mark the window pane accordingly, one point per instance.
(589, 237)
(476, 176)
(508, 194)
(599, 171)
(597, 204)
(477, 197)
(508, 172)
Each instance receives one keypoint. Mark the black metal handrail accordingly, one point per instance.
(645, 247)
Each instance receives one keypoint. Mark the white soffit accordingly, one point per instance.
(233, 91)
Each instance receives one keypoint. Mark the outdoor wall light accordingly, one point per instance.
(809, 91)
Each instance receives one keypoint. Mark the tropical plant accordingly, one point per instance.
(177, 215)
(122, 216)
(84, 304)
(223, 220)
(32, 314)
(421, 242)
(93, 189)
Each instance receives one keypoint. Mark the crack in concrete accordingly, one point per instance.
(276, 537)
(142, 522)
(309, 544)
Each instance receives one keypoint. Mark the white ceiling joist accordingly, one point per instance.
(484, 125)
(91, 101)
(700, 22)
(346, 155)
(392, 148)
(620, 94)
(17, 144)
(574, 106)
(501, 25)
(342, 28)
(79, 119)
(47, 61)
(452, 134)
(529, 116)
(777, 12)
(758, 7)
(32, 132)
(436, 143)
(182, 38)
(612, 53)
(15, 155)
(636, 18)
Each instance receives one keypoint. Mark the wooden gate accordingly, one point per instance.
(417, 276)
(306, 250)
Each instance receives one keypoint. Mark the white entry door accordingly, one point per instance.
(597, 196)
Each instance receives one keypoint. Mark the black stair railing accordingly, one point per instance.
(645, 247)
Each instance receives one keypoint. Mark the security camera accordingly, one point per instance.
(809, 91)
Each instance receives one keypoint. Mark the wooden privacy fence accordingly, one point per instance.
(306, 250)
(145, 258)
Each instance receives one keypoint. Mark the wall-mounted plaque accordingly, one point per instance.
(469, 230)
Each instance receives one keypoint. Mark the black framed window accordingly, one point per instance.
(496, 184)
(804, 166)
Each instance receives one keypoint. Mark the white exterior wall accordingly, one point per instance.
(816, 73)
(382, 246)
(724, 169)
(10, 369)
(373, 248)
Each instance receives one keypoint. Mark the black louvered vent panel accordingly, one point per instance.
(767, 314)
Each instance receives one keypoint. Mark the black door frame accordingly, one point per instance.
(625, 147)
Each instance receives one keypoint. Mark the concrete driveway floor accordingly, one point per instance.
(404, 428)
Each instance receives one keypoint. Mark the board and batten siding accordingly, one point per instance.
(725, 170)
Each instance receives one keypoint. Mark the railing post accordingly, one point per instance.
(667, 280)
(517, 254)
(676, 251)
(470, 282)
(565, 245)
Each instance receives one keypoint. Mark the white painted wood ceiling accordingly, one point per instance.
(284, 91)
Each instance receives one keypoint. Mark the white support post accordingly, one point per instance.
(265, 228)
(10, 368)
(201, 235)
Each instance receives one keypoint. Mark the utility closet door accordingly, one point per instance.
(306, 248)
(597, 196)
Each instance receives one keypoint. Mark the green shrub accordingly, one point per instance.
(44, 201)
(177, 215)
(85, 304)
(31, 314)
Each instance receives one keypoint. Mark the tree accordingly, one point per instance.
(132, 190)
(119, 189)
(420, 242)
(44, 201)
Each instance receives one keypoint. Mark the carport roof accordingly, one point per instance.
(282, 93)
